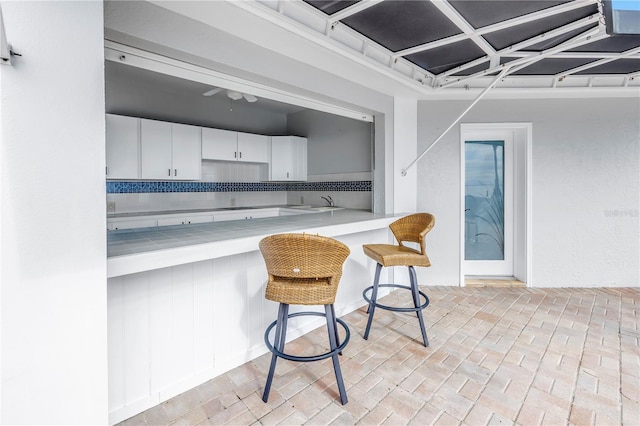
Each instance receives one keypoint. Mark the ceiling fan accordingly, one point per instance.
(232, 94)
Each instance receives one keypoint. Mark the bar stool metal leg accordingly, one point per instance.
(374, 297)
(278, 343)
(416, 301)
(333, 342)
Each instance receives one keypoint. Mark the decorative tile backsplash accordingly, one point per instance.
(136, 187)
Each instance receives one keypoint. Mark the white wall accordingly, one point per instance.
(585, 184)
(53, 279)
(335, 144)
(404, 152)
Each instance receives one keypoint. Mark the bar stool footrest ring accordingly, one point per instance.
(311, 357)
(396, 308)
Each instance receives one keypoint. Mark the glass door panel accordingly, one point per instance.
(484, 200)
(488, 204)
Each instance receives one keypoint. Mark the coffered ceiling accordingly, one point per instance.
(463, 44)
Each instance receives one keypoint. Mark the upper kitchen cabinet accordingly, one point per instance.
(170, 150)
(219, 144)
(227, 145)
(253, 148)
(288, 158)
(122, 147)
(186, 150)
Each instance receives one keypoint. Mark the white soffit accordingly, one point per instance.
(157, 63)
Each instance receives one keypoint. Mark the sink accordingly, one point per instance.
(325, 208)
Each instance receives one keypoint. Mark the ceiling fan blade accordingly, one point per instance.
(250, 98)
(212, 91)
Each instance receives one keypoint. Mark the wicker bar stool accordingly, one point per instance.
(304, 270)
(412, 228)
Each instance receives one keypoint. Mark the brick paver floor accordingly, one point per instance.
(496, 356)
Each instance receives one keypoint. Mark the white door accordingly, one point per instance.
(488, 202)
(155, 145)
(186, 152)
(218, 144)
(253, 148)
(122, 147)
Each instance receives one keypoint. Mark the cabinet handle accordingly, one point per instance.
(169, 172)
(287, 174)
(175, 172)
(240, 154)
(106, 170)
(235, 154)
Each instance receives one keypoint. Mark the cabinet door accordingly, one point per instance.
(253, 148)
(288, 158)
(219, 144)
(198, 219)
(168, 221)
(186, 152)
(222, 217)
(281, 158)
(300, 158)
(132, 224)
(122, 147)
(155, 144)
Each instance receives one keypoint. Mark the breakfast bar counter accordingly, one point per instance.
(186, 302)
(137, 250)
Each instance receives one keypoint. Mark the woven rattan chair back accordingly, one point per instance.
(303, 269)
(413, 228)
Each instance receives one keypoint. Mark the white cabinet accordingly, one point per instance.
(131, 224)
(122, 147)
(253, 148)
(219, 144)
(186, 152)
(169, 150)
(185, 220)
(288, 158)
(227, 145)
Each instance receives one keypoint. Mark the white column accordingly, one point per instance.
(52, 216)
(405, 131)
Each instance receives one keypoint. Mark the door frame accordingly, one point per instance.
(522, 144)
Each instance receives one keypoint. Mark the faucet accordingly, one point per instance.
(328, 199)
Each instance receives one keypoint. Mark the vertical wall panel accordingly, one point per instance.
(160, 329)
(136, 337)
(256, 277)
(182, 346)
(203, 325)
(116, 323)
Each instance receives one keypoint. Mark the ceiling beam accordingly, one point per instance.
(459, 21)
(541, 14)
(589, 20)
(603, 61)
(518, 64)
(352, 10)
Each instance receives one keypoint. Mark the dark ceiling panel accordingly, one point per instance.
(403, 24)
(447, 57)
(330, 7)
(621, 66)
(398, 25)
(616, 43)
(482, 13)
(509, 36)
(552, 66)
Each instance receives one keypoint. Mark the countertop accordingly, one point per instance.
(195, 211)
(136, 250)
